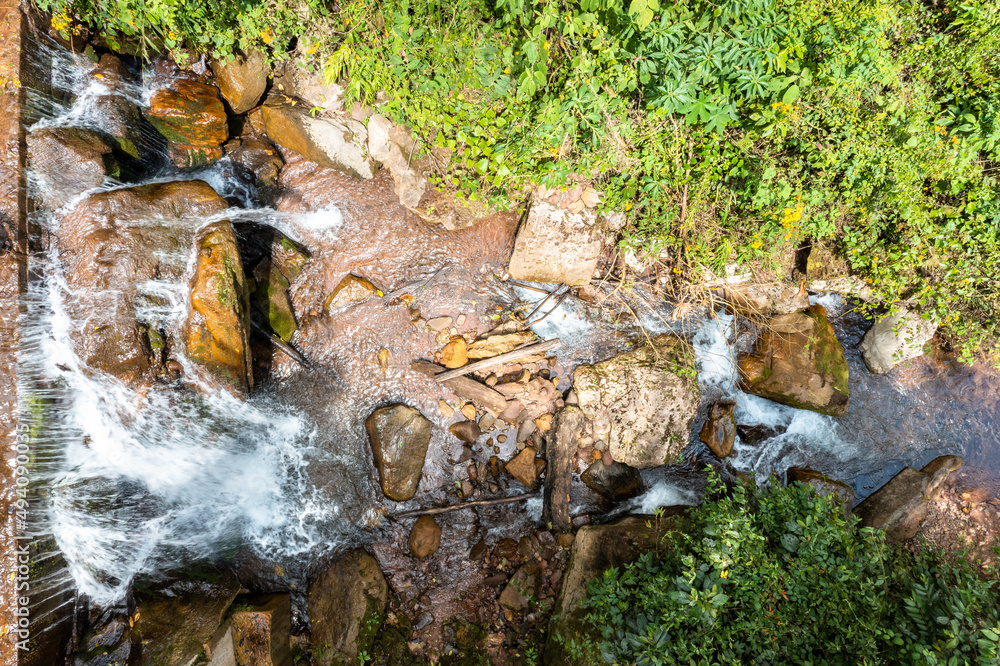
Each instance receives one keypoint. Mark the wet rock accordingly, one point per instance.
(67, 161)
(469, 411)
(346, 607)
(642, 403)
(242, 81)
(336, 144)
(757, 299)
(507, 549)
(111, 641)
(455, 353)
(394, 147)
(425, 537)
(595, 549)
(479, 552)
(439, 323)
(258, 157)
(399, 436)
(557, 245)
(110, 249)
(823, 485)
(799, 362)
(272, 298)
(719, 431)
(900, 506)
(755, 435)
(188, 158)
(120, 118)
(896, 338)
(217, 332)
(189, 113)
(176, 621)
(467, 431)
(614, 482)
(352, 289)
(522, 467)
(522, 590)
(262, 630)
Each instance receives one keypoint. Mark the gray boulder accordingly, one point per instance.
(896, 338)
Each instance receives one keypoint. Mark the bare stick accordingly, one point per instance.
(498, 360)
(543, 302)
(522, 285)
(554, 308)
(463, 505)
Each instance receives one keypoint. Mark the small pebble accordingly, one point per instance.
(460, 320)
(597, 455)
(544, 422)
(469, 411)
(492, 380)
(607, 459)
(600, 445)
(571, 398)
(501, 438)
(472, 472)
(439, 323)
(486, 422)
(445, 408)
(466, 489)
(565, 539)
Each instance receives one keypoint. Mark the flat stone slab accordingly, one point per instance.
(556, 245)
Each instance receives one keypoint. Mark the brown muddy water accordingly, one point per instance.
(136, 486)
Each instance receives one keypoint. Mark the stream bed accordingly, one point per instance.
(141, 482)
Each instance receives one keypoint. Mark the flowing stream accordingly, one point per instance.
(141, 482)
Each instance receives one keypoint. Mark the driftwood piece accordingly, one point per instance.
(463, 505)
(561, 452)
(466, 388)
(499, 360)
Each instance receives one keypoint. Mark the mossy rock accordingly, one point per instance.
(271, 296)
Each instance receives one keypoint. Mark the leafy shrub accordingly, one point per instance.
(782, 577)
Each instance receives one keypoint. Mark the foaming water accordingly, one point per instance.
(142, 481)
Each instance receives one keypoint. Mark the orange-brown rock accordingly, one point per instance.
(189, 112)
(242, 80)
(523, 468)
(113, 242)
(217, 331)
(425, 537)
(262, 630)
(799, 362)
(352, 289)
(719, 431)
(455, 353)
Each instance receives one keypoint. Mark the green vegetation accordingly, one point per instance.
(782, 577)
(727, 131)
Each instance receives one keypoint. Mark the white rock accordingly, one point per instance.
(895, 339)
(556, 245)
(393, 147)
(642, 403)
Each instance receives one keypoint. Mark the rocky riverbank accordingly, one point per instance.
(318, 267)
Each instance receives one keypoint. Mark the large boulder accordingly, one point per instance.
(614, 482)
(336, 144)
(119, 118)
(243, 80)
(67, 161)
(261, 629)
(900, 506)
(641, 403)
(799, 362)
(346, 607)
(399, 437)
(896, 338)
(394, 147)
(174, 623)
(272, 298)
(189, 112)
(556, 244)
(217, 333)
(596, 548)
(757, 299)
(113, 243)
(190, 115)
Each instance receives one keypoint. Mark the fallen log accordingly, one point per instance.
(466, 388)
(462, 505)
